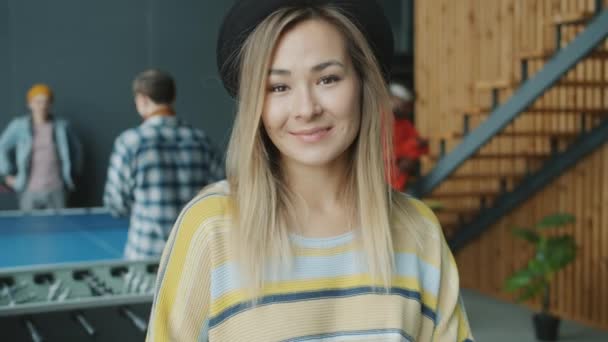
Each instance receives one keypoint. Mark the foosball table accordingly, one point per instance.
(62, 278)
(89, 301)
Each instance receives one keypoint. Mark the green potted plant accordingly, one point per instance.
(551, 254)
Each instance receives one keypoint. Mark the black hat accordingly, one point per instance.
(245, 15)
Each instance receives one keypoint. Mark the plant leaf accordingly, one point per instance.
(538, 266)
(560, 251)
(520, 279)
(526, 234)
(555, 221)
(531, 291)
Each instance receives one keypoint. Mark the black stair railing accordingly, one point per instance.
(528, 93)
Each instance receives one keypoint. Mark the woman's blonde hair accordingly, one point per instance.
(262, 205)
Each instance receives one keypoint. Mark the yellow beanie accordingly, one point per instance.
(39, 89)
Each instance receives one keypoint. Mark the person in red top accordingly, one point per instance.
(408, 146)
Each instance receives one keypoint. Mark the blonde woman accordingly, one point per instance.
(305, 241)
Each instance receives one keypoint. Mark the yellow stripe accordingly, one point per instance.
(190, 223)
(463, 325)
(289, 320)
(240, 296)
(424, 210)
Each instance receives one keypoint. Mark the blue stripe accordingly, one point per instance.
(225, 277)
(329, 242)
(353, 333)
(315, 295)
(410, 265)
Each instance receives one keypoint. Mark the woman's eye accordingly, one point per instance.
(279, 88)
(329, 79)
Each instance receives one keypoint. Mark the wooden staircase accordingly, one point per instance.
(545, 128)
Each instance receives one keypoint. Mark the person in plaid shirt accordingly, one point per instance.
(157, 167)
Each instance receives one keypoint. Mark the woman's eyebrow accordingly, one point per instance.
(324, 65)
(317, 68)
(279, 72)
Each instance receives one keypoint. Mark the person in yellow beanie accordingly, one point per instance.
(40, 89)
(39, 154)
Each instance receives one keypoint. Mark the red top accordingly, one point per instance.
(406, 144)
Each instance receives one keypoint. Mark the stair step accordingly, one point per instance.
(486, 156)
(560, 135)
(541, 54)
(572, 18)
(511, 84)
(541, 110)
(495, 84)
(461, 194)
(485, 176)
(572, 83)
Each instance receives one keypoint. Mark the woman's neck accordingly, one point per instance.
(320, 204)
(316, 184)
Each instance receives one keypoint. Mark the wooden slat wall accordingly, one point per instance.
(458, 43)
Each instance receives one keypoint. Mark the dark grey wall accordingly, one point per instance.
(4, 65)
(89, 51)
(7, 201)
(400, 13)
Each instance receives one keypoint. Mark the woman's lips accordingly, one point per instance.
(312, 135)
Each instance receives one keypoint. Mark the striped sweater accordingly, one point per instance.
(327, 295)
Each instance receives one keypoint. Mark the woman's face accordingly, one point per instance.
(312, 106)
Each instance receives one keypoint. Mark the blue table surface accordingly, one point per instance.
(51, 238)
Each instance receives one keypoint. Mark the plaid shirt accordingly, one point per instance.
(155, 169)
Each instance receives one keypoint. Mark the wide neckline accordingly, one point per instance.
(322, 242)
